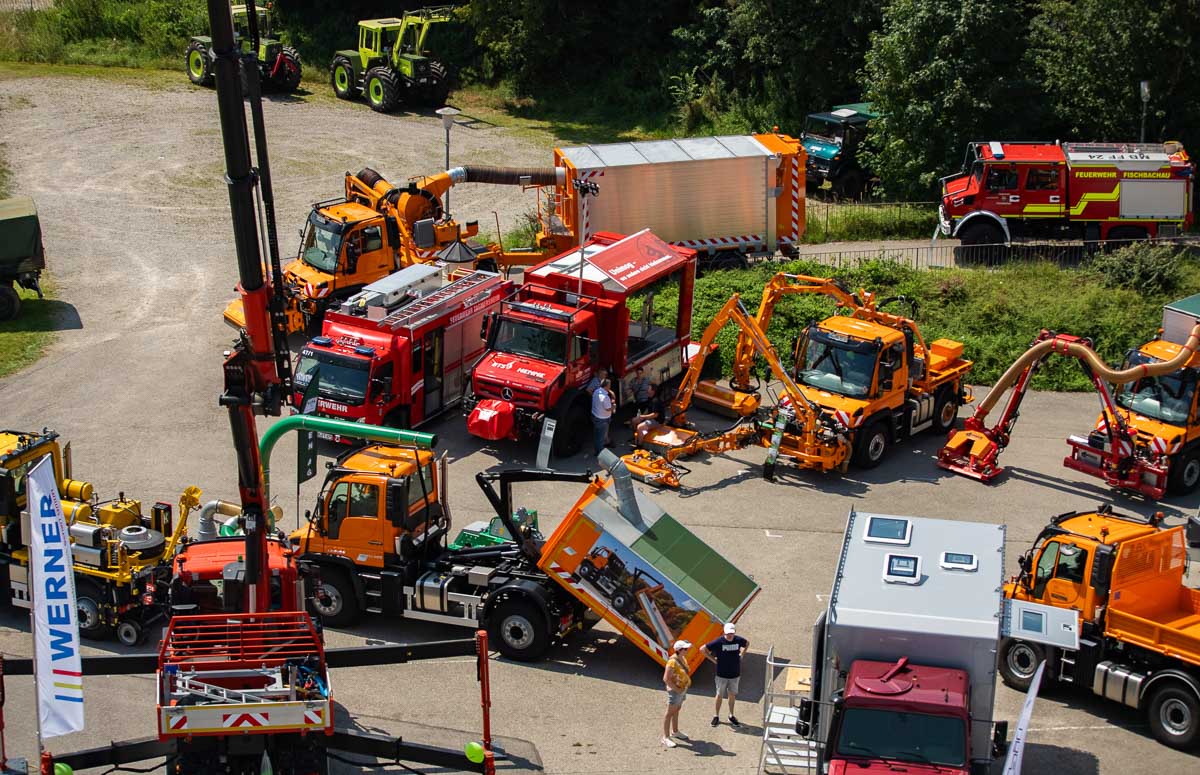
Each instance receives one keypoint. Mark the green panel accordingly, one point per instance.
(1190, 305)
(20, 232)
(695, 567)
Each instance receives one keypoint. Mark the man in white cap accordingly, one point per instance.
(677, 680)
(726, 653)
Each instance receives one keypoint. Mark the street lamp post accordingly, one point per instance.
(447, 113)
(1145, 102)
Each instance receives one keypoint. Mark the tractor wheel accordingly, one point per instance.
(1184, 473)
(336, 601)
(382, 89)
(287, 77)
(199, 67)
(438, 89)
(89, 601)
(945, 410)
(341, 75)
(518, 631)
(870, 445)
(10, 302)
(982, 243)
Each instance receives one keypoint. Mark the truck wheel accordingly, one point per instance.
(336, 601)
(382, 89)
(945, 410)
(849, 185)
(199, 67)
(569, 435)
(1019, 661)
(1174, 716)
(519, 631)
(10, 302)
(982, 243)
(341, 75)
(88, 599)
(871, 444)
(129, 633)
(586, 569)
(1184, 473)
(623, 601)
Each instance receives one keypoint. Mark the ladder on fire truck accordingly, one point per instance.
(411, 312)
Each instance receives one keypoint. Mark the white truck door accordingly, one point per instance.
(1040, 623)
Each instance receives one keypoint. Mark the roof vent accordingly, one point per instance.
(890, 683)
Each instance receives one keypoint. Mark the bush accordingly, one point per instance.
(1142, 266)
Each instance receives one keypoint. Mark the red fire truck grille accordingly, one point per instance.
(527, 398)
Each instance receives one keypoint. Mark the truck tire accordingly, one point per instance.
(129, 633)
(982, 243)
(10, 302)
(287, 78)
(1018, 662)
(1174, 716)
(341, 606)
(382, 89)
(870, 444)
(518, 631)
(849, 185)
(1184, 474)
(199, 67)
(341, 77)
(89, 601)
(624, 601)
(587, 570)
(572, 430)
(1123, 236)
(945, 410)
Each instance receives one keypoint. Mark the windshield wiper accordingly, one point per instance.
(860, 747)
(915, 756)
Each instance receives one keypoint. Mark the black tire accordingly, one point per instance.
(341, 606)
(870, 444)
(89, 602)
(381, 87)
(1174, 716)
(1123, 236)
(518, 631)
(586, 570)
(341, 78)
(1018, 662)
(572, 430)
(130, 633)
(622, 600)
(287, 78)
(199, 66)
(10, 302)
(849, 185)
(945, 410)
(1184, 474)
(438, 88)
(982, 243)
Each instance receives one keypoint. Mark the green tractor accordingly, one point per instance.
(391, 64)
(279, 65)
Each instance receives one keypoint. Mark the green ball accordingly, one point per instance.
(473, 749)
(63, 769)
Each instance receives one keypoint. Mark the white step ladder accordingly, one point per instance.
(784, 750)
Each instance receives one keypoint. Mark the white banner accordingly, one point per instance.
(55, 617)
(1016, 751)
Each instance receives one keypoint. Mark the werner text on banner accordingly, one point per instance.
(55, 617)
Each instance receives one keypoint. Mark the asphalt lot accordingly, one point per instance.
(133, 383)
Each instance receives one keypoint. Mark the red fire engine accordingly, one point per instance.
(1089, 191)
(398, 353)
(588, 311)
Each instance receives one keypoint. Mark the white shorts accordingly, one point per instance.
(726, 686)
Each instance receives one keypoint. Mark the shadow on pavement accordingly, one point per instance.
(44, 315)
(1055, 758)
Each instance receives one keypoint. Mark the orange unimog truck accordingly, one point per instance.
(1110, 590)
(869, 370)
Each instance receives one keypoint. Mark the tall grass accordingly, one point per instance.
(849, 222)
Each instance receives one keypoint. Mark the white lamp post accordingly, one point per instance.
(447, 113)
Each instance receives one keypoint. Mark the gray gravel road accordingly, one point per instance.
(128, 181)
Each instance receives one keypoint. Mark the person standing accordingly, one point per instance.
(642, 390)
(677, 680)
(726, 653)
(602, 410)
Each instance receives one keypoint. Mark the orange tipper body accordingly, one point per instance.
(644, 573)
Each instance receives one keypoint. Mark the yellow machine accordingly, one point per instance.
(870, 371)
(121, 556)
(378, 228)
(810, 438)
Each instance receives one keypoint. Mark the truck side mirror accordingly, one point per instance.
(806, 717)
(484, 323)
(397, 501)
(594, 350)
(1000, 738)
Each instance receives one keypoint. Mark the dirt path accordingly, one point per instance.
(129, 184)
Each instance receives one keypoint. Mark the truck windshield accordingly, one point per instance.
(908, 737)
(519, 337)
(838, 366)
(343, 379)
(823, 129)
(1167, 398)
(322, 244)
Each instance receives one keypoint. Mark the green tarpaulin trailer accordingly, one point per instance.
(22, 257)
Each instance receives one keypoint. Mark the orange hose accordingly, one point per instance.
(1084, 353)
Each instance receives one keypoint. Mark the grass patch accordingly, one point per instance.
(844, 222)
(24, 340)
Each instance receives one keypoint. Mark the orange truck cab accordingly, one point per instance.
(880, 381)
(1114, 584)
(586, 313)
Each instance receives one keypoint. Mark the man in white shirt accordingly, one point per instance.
(602, 409)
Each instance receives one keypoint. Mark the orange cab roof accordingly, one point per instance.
(859, 329)
(1164, 351)
(387, 459)
(349, 212)
(1119, 530)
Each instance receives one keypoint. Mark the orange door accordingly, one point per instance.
(355, 525)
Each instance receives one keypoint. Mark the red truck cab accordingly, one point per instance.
(398, 353)
(893, 712)
(587, 312)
